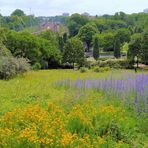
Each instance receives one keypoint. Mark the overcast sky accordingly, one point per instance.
(57, 7)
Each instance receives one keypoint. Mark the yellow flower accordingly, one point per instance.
(29, 134)
(46, 140)
(67, 139)
(5, 132)
(100, 140)
(108, 109)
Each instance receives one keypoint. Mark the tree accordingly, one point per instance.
(120, 16)
(123, 35)
(18, 12)
(144, 47)
(106, 41)
(74, 52)
(86, 34)
(104, 24)
(101, 24)
(65, 37)
(134, 48)
(96, 51)
(4, 51)
(34, 48)
(61, 43)
(51, 36)
(117, 45)
(75, 22)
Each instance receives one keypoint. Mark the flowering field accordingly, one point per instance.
(68, 109)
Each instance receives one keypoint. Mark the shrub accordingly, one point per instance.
(66, 66)
(106, 68)
(114, 63)
(23, 65)
(9, 67)
(36, 66)
(4, 51)
(90, 63)
(83, 69)
(101, 69)
(97, 69)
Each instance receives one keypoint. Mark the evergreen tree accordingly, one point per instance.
(61, 43)
(96, 51)
(117, 44)
(65, 37)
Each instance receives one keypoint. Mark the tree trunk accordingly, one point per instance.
(88, 46)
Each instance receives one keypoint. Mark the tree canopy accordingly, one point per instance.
(18, 12)
(74, 52)
(86, 34)
(75, 22)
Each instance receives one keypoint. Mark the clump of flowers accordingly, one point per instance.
(86, 125)
(129, 88)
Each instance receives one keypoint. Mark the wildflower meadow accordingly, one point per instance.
(69, 109)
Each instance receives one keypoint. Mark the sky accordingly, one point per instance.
(57, 7)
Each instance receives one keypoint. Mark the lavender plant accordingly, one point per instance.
(130, 88)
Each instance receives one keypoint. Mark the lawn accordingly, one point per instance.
(53, 109)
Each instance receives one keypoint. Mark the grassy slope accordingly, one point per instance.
(37, 87)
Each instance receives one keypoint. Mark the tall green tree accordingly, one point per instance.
(106, 41)
(61, 43)
(65, 37)
(135, 48)
(74, 52)
(51, 36)
(18, 12)
(117, 46)
(123, 35)
(144, 47)
(86, 34)
(96, 50)
(75, 22)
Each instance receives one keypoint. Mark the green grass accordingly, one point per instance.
(37, 87)
(79, 110)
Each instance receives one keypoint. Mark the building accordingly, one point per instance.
(65, 14)
(85, 14)
(55, 27)
(145, 10)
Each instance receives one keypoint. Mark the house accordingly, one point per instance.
(55, 27)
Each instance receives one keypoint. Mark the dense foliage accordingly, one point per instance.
(96, 49)
(108, 35)
(86, 34)
(18, 21)
(74, 52)
(75, 22)
(9, 67)
(34, 48)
